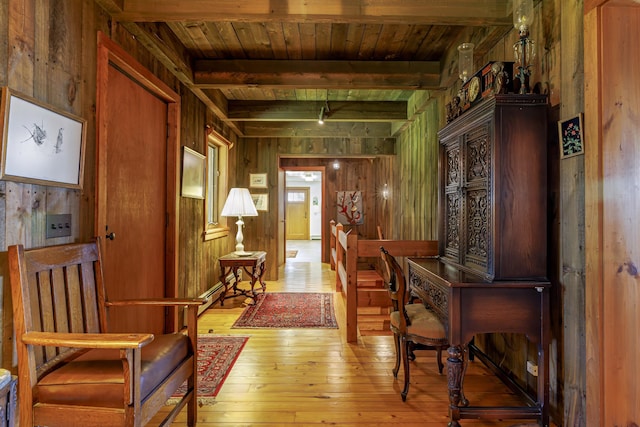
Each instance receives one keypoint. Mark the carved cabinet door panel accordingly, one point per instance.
(493, 188)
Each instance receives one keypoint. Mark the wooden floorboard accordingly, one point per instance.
(312, 377)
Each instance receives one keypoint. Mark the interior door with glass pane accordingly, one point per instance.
(297, 220)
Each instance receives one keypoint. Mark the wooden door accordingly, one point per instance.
(298, 214)
(136, 191)
(612, 155)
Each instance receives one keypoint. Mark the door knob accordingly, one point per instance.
(111, 236)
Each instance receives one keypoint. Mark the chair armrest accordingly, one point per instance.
(60, 339)
(158, 302)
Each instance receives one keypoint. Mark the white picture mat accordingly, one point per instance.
(193, 174)
(32, 154)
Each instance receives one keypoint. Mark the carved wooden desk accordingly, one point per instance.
(254, 265)
(467, 305)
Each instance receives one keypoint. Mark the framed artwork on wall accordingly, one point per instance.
(571, 137)
(258, 180)
(350, 208)
(261, 200)
(40, 144)
(193, 174)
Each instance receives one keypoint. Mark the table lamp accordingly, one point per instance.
(239, 203)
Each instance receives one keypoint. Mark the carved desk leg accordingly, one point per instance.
(456, 367)
(454, 376)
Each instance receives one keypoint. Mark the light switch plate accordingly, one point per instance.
(58, 225)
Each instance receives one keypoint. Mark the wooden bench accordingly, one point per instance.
(350, 280)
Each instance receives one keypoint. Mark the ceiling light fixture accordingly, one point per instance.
(324, 113)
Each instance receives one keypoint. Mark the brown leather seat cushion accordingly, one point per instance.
(96, 377)
(424, 323)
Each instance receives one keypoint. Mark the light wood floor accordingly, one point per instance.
(312, 377)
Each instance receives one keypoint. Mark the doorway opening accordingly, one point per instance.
(303, 215)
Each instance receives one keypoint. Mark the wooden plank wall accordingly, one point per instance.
(415, 192)
(42, 61)
(572, 224)
(51, 50)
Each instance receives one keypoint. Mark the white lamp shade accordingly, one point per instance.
(239, 203)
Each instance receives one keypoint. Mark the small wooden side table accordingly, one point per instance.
(254, 265)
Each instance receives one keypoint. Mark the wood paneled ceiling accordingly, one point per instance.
(267, 67)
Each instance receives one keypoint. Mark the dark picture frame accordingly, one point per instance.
(571, 139)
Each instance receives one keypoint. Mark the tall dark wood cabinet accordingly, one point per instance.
(493, 189)
(491, 274)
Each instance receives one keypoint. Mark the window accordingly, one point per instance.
(217, 157)
(296, 196)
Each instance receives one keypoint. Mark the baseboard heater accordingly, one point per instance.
(213, 294)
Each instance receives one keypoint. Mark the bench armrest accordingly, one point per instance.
(81, 340)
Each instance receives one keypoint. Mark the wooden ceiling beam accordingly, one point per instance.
(309, 111)
(428, 12)
(223, 73)
(310, 129)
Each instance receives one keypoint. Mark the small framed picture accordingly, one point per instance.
(258, 180)
(571, 137)
(40, 144)
(261, 201)
(193, 174)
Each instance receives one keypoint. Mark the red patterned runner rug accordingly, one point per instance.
(216, 356)
(289, 310)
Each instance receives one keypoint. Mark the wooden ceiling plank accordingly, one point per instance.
(353, 40)
(370, 37)
(215, 42)
(292, 40)
(414, 40)
(435, 12)
(438, 40)
(317, 74)
(392, 39)
(276, 40)
(339, 111)
(232, 45)
(251, 45)
(197, 33)
(323, 41)
(308, 40)
(339, 34)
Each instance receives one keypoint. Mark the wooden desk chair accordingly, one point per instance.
(73, 373)
(413, 325)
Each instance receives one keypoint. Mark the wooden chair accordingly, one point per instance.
(413, 325)
(71, 371)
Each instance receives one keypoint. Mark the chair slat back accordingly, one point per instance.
(397, 286)
(56, 289)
